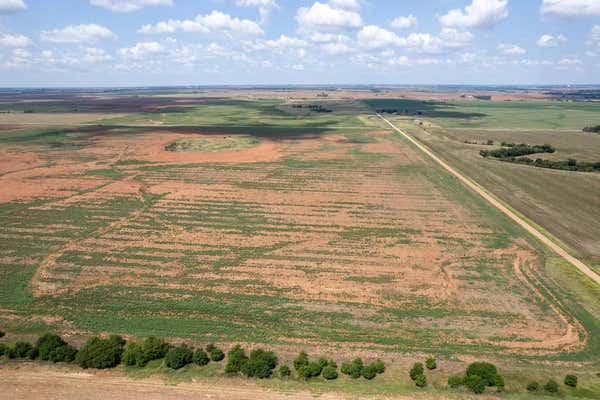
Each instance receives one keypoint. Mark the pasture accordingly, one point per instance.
(279, 227)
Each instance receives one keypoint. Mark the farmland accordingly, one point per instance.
(255, 221)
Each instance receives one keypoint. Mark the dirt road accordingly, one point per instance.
(32, 381)
(483, 193)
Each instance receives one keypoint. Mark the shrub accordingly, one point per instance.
(216, 354)
(431, 363)
(3, 349)
(21, 350)
(484, 370)
(236, 359)
(369, 372)
(329, 373)
(416, 370)
(475, 383)
(353, 369)
(300, 361)
(200, 357)
(99, 353)
(53, 348)
(571, 380)
(154, 348)
(117, 340)
(455, 381)
(533, 386)
(379, 366)
(285, 372)
(420, 381)
(133, 355)
(310, 370)
(179, 357)
(260, 365)
(551, 386)
(498, 382)
(66, 353)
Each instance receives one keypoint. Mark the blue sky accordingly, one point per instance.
(199, 42)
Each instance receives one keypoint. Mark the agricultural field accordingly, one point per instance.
(267, 223)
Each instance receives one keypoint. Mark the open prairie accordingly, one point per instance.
(301, 224)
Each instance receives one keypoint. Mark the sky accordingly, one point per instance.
(73, 43)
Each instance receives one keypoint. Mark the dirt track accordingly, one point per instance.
(483, 193)
(33, 381)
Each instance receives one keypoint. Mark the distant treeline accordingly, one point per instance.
(396, 111)
(314, 107)
(593, 129)
(512, 153)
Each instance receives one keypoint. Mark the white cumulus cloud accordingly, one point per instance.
(479, 14)
(7, 40)
(12, 6)
(551, 40)
(372, 36)
(352, 5)
(511, 49)
(142, 50)
(264, 7)
(125, 6)
(322, 17)
(215, 22)
(84, 33)
(570, 8)
(404, 22)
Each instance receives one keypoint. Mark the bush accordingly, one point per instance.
(551, 386)
(329, 372)
(455, 381)
(533, 386)
(200, 357)
(484, 370)
(300, 361)
(117, 340)
(431, 363)
(475, 383)
(353, 369)
(66, 353)
(99, 353)
(236, 359)
(498, 382)
(420, 381)
(369, 372)
(260, 365)
(285, 372)
(179, 357)
(133, 355)
(571, 380)
(21, 350)
(416, 370)
(53, 348)
(216, 354)
(310, 370)
(154, 348)
(3, 349)
(379, 366)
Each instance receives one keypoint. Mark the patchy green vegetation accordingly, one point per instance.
(211, 145)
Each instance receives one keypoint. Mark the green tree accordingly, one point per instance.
(416, 370)
(484, 370)
(133, 355)
(329, 372)
(20, 350)
(216, 354)
(3, 349)
(66, 353)
(178, 357)
(379, 366)
(551, 386)
(369, 372)
(53, 348)
(533, 386)
(431, 363)
(353, 369)
(200, 357)
(571, 380)
(260, 364)
(475, 383)
(99, 353)
(154, 348)
(420, 381)
(300, 361)
(236, 359)
(310, 370)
